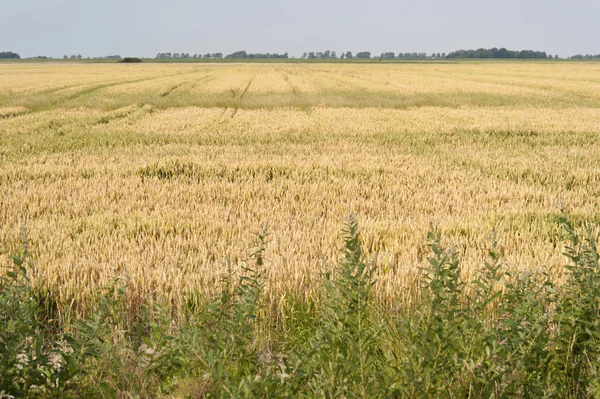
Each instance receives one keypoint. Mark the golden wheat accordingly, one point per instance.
(161, 172)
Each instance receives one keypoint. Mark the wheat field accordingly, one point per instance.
(161, 172)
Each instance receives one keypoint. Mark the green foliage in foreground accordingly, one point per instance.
(459, 338)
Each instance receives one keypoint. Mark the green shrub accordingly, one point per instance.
(498, 336)
(342, 358)
(35, 359)
(577, 318)
(130, 60)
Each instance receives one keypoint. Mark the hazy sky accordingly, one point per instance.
(146, 27)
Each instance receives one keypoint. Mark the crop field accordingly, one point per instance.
(162, 172)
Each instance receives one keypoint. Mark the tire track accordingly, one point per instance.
(104, 86)
(15, 113)
(57, 89)
(118, 114)
(240, 98)
(108, 117)
(304, 106)
(206, 79)
(467, 79)
(237, 98)
(287, 80)
(171, 90)
(193, 83)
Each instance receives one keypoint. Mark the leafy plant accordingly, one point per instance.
(34, 359)
(343, 357)
(578, 316)
(500, 335)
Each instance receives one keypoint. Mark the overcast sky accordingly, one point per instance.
(146, 27)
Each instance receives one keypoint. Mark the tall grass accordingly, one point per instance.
(498, 335)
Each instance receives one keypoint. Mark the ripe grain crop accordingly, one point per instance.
(161, 172)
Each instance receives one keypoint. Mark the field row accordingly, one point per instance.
(270, 86)
(165, 196)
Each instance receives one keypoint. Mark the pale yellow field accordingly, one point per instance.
(162, 171)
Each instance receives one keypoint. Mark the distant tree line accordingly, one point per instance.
(416, 56)
(167, 56)
(493, 53)
(320, 55)
(498, 54)
(9, 54)
(79, 57)
(367, 54)
(243, 54)
(409, 56)
(332, 55)
(586, 57)
(218, 56)
(480, 53)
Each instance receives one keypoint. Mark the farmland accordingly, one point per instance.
(300, 230)
(161, 172)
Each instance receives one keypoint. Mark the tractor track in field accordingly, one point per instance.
(15, 114)
(110, 116)
(287, 80)
(240, 96)
(200, 81)
(71, 86)
(171, 89)
(104, 86)
(53, 103)
(237, 98)
(468, 79)
(104, 120)
(193, 84)
(302, 104)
